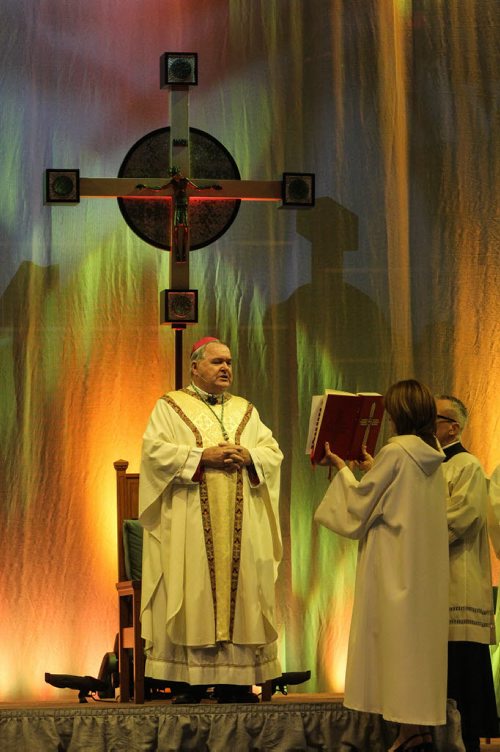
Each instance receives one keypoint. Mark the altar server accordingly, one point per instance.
(471, 631)
(396, 664)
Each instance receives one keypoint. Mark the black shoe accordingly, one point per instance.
(186, 699)
(229, 693)
(192, 695)
(238, 697)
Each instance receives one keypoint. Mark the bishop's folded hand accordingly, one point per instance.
(226, 456)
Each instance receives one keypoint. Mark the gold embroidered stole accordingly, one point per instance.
(221, 499)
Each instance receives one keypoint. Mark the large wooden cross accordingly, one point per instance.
(178, 74)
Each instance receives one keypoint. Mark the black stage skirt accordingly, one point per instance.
(470, 683)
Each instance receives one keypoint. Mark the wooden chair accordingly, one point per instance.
(129, 591)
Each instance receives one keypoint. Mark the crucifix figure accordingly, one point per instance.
(176, 187)
(180, 218)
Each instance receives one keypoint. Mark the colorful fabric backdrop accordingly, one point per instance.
(393, 104)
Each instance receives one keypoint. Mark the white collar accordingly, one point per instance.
(211, 399)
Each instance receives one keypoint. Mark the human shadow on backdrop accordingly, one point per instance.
(327, 334)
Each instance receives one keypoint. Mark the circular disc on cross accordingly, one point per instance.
(149, 159)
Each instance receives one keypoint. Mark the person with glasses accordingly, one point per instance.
(471, 624)
(208, 500)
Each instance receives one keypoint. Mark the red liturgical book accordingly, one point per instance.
(346, 421)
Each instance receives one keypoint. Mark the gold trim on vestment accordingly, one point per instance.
(238, 524)
(227, 396)
(205, 509)
(204, 505)
(173, 404)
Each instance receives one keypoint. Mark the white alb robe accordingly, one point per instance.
(471, 595)
(397, 656)
(494, 510)
(211, 548)
(494, 531)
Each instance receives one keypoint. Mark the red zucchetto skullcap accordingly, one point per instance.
(203, 341)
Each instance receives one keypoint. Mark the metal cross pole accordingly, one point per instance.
(178, 71)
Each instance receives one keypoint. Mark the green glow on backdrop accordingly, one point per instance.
(385, 272)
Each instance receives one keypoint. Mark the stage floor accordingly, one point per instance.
(69, 697)
(295, 722)
(68, 700)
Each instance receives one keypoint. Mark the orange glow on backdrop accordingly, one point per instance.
(394, 273)
(334, 650)
(473, 243)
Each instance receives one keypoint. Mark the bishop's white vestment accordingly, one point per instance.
(397, 656)
(211, 545)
